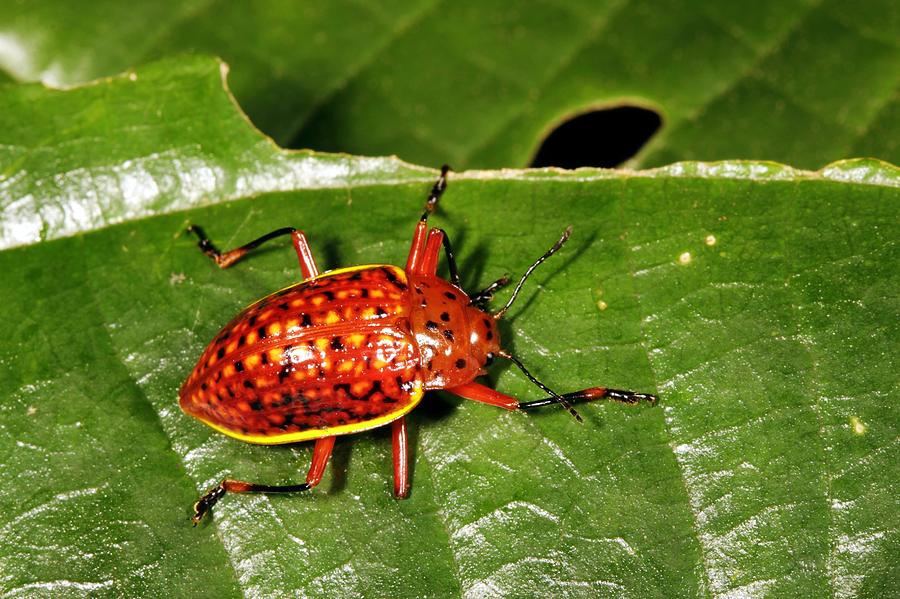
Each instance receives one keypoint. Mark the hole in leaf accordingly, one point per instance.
(604, 138)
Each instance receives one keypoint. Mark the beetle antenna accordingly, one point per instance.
(556, 396)
(498, 314)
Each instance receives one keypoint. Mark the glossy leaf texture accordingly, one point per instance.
(758, 300)
(480, 84)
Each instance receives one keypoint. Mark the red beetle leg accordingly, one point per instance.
(304, 254)
(432, 252)
(477, 392)
(417, 249)
(401, 458)
(321, 453)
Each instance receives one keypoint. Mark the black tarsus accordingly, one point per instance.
(205, 503)
(436, 192)
(627, 397)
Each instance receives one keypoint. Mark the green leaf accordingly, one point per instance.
(479, 85)
(758, 300)
(161, 138)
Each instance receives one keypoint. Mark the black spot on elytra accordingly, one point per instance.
(284, 373)
(283, 305)
(357, 276)
(380, 311)
(203, 386)
(239, 366)
(242, 341)
(460, 363)
(248, 384)
(450, 296)
(265, 357)
(448, 334)
(329, 295)
(364, 293)
(336, 344)
(419, 291)
(286, 399)
(261, 331)
(252, 321)
(306, 321)
(221, 353)
(431, 325)
(230, 392)
(393, 279)
(218, 376)
(489, 335)
(445, 317)
(256, 405)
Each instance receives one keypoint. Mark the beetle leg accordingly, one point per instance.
(321, 453)
(478, 392)
(436, 238)
(226, 259)
(432, 252)
(436, 192)
(593, 394)
(417, 249)
(401, 458)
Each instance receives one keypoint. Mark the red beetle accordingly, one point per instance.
(352, 349)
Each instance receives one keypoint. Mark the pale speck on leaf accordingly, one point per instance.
(858, 426)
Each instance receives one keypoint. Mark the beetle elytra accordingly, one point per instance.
(353, 349)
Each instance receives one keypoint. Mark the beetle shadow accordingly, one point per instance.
(473, 269)
(435, 407)
(340, 465)
(331, 254)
